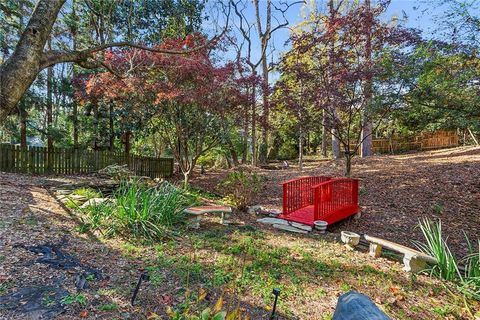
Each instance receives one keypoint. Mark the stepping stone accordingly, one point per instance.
(289, 228)
(94, 201)
(63, 192)
(285, 222)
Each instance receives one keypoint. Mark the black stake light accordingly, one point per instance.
(276, 293)
(143, 277)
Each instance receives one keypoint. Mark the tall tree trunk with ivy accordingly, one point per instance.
(333, 112)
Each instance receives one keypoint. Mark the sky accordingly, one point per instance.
(414, 10)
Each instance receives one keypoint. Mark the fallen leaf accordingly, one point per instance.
(166, 299)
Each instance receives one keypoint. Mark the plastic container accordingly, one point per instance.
(321, 226)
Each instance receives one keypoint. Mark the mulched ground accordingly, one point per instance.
(31, 216)
(396, 191)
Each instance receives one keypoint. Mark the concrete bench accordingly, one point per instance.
(413, 260)
(195, 214)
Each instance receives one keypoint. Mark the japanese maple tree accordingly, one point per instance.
(184, 97)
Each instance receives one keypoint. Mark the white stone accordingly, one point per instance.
(350, 238)
(63, 192)
(272, 221)
(94, 201)
(278, 221)
(254, 209)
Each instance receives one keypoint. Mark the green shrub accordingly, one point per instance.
(140, 212)
(207, 159)
(288, 151)
(240, 187)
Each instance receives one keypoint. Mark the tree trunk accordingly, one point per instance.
(95, 125)
(245, 137)
(254, 124)
(234, 155)
(300, 148)
(367, 127)
(19, 71)
(333, 108)
(264, 34)
(23, 128)
(324, 135)
(74, 72)
(263, 152)
(335, 145)
(127, 142)
(186, 177)
(75, 125)
(49, 105)
(348, 164)
(112, 136)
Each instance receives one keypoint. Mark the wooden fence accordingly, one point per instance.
(424, 141)
(39, 160)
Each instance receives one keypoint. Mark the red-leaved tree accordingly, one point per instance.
(183, 97)
(333, 52)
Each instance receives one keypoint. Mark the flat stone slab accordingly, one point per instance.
(63, 192)
(278, 221)
(73, 197)
(94, 201)
(208, 209)
(290, 228)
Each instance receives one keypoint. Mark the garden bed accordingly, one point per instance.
(245, 263)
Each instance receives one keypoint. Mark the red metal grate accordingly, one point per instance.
(307, 199)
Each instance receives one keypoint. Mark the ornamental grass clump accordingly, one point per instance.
(448, 266)
(140, 212)
(471, 280)
(437, 247)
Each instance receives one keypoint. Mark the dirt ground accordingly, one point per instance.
(396, 191)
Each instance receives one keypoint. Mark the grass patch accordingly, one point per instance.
(88, 193)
